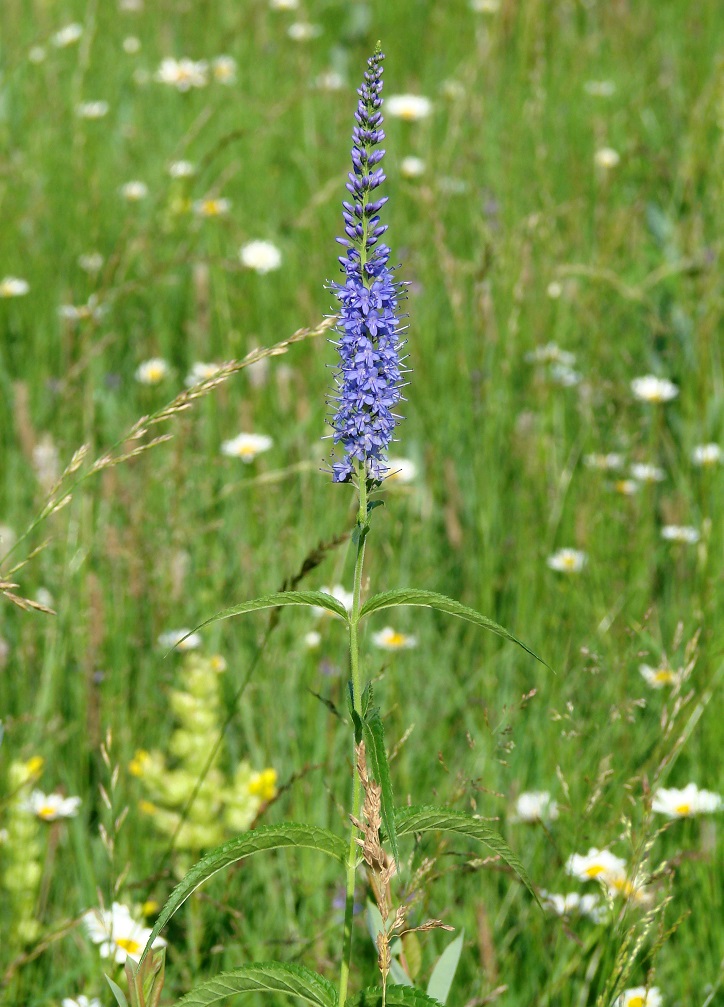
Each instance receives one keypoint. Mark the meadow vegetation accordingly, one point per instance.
(555, 207)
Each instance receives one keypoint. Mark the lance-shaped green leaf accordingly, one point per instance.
(268, 837)
(374, 736)
(264, 977)
(314, 599)
(397, 996)
(446, 966)
(430, 819)
(430, 599)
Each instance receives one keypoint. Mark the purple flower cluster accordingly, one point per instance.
(368, 380)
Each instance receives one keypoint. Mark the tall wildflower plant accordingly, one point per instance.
(366, 392)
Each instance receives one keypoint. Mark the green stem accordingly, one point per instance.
(357, 705)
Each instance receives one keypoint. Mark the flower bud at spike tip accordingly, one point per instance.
(368, 380)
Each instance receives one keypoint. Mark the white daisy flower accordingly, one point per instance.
(607, 158)
(410, 107)
(485, 6)
(13, 286)
(680, 533)
(390, 639)
(574, 904)
(303, 31)
(117, 933)
(653, 389)
(685, 803)
(212, 207)
(183, 74)
(345, 598)
(639, 996)
(51, 807)
(131, 45)
(67, 36)
(261, 256)
(181, 169)
(153, 371)
(223, 69)
(535, 806)
(554, 290)
(400, 470)
(92, 109)
(610, 462)
(200, 372)
(645, 472)
(179, 639)
(91, 262)
(284, 4)
(567, 561)
(626, 487)
(91, 310)
(412, 167)
(659, 677)
(706, 454)
(565, 376)
(312, 639)
(246, 446)
(551, 353)
(134, 191)
(80, 1001)
(599, 864)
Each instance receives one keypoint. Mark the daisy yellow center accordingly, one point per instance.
(211, 207)
(569, 562)
(247, 451)
(46, 812)
(594, 870)
(637, 1002)
(664, 676)
(128, 944)
(683, 809)
(154, 373)
(396, 639)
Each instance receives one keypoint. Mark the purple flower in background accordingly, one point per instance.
(367, 384)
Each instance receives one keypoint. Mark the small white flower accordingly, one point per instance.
(680, 533)
(657, 678)
(117, 933)
(685, 803)
(131, 45)
(412, 167)
(13, 286)
(330, 80)
(246, 446)
(223, 69)
(134, 191)
(653, 389)
(390, 639)
(400, 470)
(37, 54)
(607, 158)
(312, 639)
(43, 595)
(283, 4)
(200, 372)
(574, 904)
(179, 639)
(130, 6)
(410, 107)
(67, 36)
(485, 6)
(706, 454)
(551, 353)
(153, 371)
(91, 310)
(639, 996)
(181, 169)
(554, 290)
(261, 256)
(647, 473)
(183, 74)
(604, 462)
(596, 864)
(564, 376)
(303, 31)
(92, 109)
(91, 262)
(567, 561)
(626, 487)
(535, 806)
(80, 1001)
(345, 598)
(51, 807)
(212, 207)
(600, 88)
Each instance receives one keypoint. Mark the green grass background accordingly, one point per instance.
(511, 200)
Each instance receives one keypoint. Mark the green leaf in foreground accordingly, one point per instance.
(444, 972)
(430, 599)
(268, 837)
(430, 819)
(264, 977)
(397, 996)
(374, 736)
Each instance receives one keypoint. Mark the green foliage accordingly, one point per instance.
(446, 966)
(264, 977)
(396, 996)
(374, 737)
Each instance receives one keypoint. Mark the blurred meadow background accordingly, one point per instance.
(171, 174)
